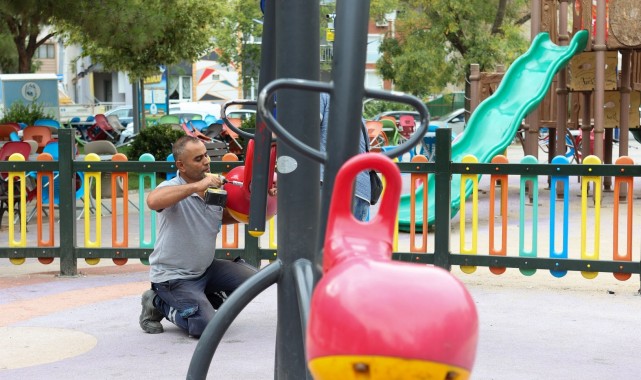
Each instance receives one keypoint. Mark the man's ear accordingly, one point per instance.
(180, 166)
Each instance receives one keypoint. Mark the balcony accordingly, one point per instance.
(326, 53)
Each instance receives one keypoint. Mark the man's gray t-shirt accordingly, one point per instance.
(186, 239)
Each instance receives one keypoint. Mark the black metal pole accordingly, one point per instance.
(348, 76)
(136, 106)
(297, 56)
(214, 332)
(262, 136)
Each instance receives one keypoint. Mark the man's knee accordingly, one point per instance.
(197, 324)
(188, 312)
(250, 269)
(199, 319)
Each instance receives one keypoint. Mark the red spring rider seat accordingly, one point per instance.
(374, 318)
(238, 196)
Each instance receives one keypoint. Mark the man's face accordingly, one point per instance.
(194, 162)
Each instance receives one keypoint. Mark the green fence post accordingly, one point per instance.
(443, 178)
(146, 243)
(67, 204)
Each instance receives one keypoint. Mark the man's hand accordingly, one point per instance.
(210, 181)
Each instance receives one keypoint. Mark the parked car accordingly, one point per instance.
(195, 108)
(206, 111)
(188, 115)
(454, 120)
(124, 113)
(243, 114)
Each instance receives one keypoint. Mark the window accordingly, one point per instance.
(373, 44)
(326, 53)
(45, 51)
(373, 80)
(185, 85)
(108, 91)
(179, 88)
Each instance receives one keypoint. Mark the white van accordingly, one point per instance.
(199, 108)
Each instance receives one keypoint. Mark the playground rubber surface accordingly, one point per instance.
(531, 327)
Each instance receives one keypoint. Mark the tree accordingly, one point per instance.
(379, 8)
(23, 21)
(238, 25)
(123, 35)
(8, 52)
(138, 36)
(237, 29)
(436, 41)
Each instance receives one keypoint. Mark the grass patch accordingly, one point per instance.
(134, 178)
(124, 150)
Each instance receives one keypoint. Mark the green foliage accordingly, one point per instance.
(141, 35)
(8, 51)
(374, 107)
(436, 41)
(24, 21)
(234, 31)
(445, 104)
(156, 140)
(25, 113)
(391, 49)
(378, 8)
(249, 123)
(234, 26)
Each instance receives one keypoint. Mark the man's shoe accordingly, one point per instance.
(150, 317)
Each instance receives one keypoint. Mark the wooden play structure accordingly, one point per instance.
(598, 91)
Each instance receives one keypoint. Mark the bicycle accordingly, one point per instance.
(572, 144)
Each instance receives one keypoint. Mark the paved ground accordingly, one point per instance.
(535, 327)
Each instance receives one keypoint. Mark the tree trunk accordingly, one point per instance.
(24, 63)
(500, 15)
(26, 44)
(19, 34)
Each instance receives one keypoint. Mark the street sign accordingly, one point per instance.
(329, 35)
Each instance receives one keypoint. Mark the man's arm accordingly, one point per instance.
(162, 197)
(324, 111)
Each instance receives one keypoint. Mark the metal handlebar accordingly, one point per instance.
(315, 154)
(223, 116)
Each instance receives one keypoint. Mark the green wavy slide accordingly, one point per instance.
(494, 123)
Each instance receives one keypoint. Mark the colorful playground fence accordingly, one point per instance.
(476, 248)
(556, 255)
